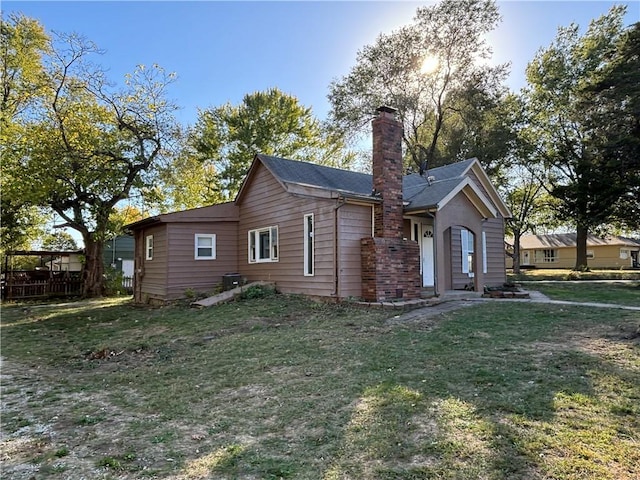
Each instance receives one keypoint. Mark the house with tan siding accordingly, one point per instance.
(559, 251)
(327, 232)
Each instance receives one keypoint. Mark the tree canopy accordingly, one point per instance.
(583, 122)
(226, 138)
(434, 72)
(83, 145)
(23, 43)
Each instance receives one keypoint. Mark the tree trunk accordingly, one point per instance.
(516, 252)
(581, 249)
(93, 272)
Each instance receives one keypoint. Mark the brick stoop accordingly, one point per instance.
(402, 305)
(505, 294)
(412, 304)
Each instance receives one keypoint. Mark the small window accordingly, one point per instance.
(309, 246)
(149, 247)
(484, 252)
(590, 254)
(263, 245)
(624, 253)
(205, 246)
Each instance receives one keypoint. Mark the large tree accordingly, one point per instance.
(23, 42)
(612, 104)
(530, 205)
(434, 72)
(226, 138)
(86, 146)
(569, 118)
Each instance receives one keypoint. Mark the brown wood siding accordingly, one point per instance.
(457, 213)
(154, 271)
(185, 272)
(354, 224)
(494, 233)
(265, 204)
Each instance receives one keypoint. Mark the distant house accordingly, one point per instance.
(118, 254)
(559, 251)
(327, 232)
(54, 273)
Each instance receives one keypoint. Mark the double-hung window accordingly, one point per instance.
(205, 246)
(309, 246)
(547, 255)
(148, 247)
(466, 239)
(263, 245)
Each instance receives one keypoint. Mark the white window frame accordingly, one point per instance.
(197, 246)
(254, 250)
(546, 255)
(468, 257)
(591, 254)
(309, 246)
(148, 247)
(625, 253)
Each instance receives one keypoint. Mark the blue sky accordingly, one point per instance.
(224, 50)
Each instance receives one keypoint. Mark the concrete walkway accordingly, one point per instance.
(537, 297)
(453, 300)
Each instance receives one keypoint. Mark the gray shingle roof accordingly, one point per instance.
(416, 189)
(304, 173)
(566, 240)
(425, 195)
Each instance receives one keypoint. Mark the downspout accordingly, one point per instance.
(336, 274)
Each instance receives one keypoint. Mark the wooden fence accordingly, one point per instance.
(37, 284)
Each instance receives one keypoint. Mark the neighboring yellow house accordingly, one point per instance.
(559, 251)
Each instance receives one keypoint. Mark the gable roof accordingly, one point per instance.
(418, 192)
(568, 240)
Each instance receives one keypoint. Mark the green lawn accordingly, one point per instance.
(281, 387)
(564, 274)
(622, 293)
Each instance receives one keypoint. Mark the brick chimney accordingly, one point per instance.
(387, 173)
(390, 263)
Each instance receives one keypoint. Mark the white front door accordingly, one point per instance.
(426, 252)
(525, 258)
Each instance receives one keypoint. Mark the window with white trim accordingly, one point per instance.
(546, 255)
(309, 246)
(263, 245)
(590, 254)
(624, 253)
(205, 246)
(148, 247)
(466, 238)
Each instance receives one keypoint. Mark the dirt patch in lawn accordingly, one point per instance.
(37, 436)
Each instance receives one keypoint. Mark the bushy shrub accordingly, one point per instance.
(573, 275)
(113, 282)
(257, 291)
